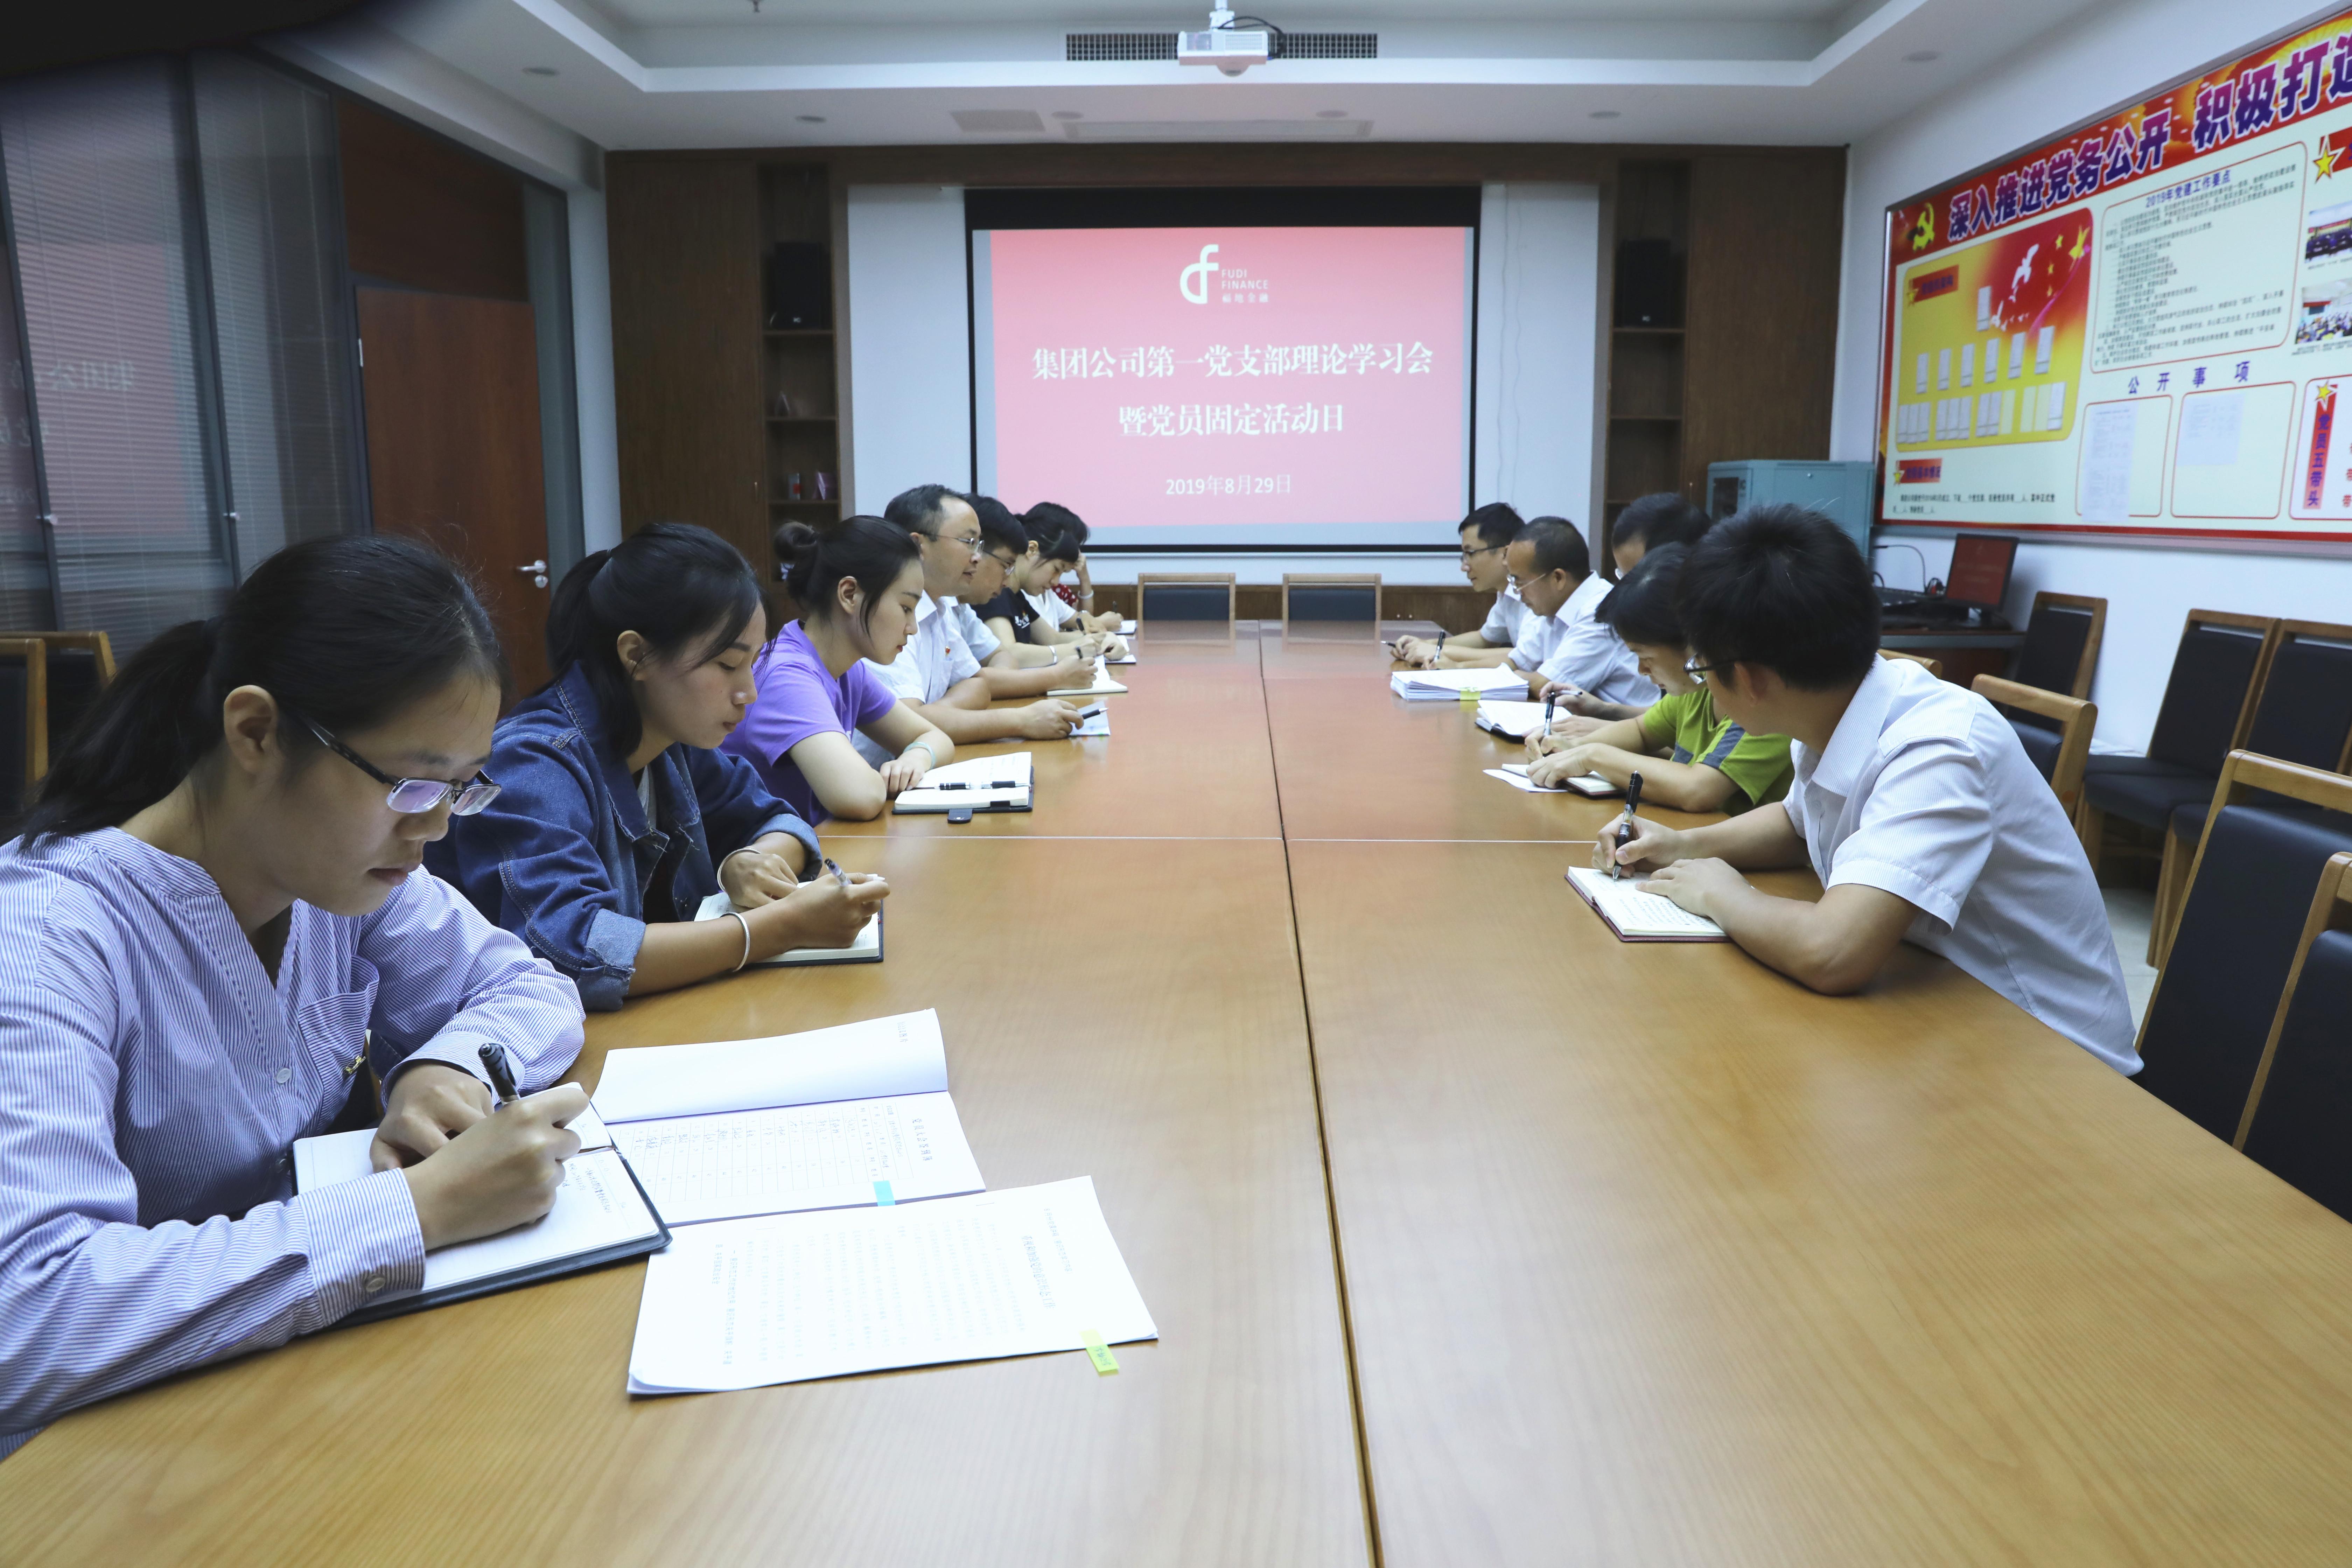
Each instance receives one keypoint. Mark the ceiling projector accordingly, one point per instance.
(1231, 49)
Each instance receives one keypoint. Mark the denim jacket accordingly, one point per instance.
(561, 856)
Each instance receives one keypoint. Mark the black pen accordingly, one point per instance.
(494, 1062)
(1625, 828)
(839, 874)
(1548, 700)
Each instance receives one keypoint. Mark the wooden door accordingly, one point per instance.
(452, 388)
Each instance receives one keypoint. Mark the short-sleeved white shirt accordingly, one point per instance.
(1925, 792)
(933, 659)
(1589, 654)
(1506, 620)
(1051, 609)
(968, 629)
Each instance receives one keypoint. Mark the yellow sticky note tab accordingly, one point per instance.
(1099, 1353)
(1468, 697)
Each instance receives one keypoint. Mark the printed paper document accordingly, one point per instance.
(749, 1302)
(1636, 914)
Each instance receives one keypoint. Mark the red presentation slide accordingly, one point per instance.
(1174, 377)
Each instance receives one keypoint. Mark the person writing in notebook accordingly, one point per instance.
(215, 938)
(1561, 642)
(1911, 800)
(1486, 533)
(1690, 757)
(937, 674)
(1052, 519)
(1058, 538)
(620, 817)
(857, 583)
(1010, 664)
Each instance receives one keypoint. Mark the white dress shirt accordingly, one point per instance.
(1925, 792)
(1051, 609)
(934, 658)
(1506, 620)
(1583, 652)
(965, 625)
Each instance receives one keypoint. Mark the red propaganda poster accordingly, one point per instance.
(2139, 327)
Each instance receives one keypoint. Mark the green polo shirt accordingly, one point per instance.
(1757, 765)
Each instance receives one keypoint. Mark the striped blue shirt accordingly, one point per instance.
(153, 1080)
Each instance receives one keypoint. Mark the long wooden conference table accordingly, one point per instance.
(1472, 1234)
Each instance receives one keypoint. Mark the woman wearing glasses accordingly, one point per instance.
(619, 816)
(211, 920)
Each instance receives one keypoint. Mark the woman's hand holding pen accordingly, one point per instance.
(430, 1103)
(823, 911)
(501, 1172)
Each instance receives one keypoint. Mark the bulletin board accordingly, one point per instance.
(2142, 328)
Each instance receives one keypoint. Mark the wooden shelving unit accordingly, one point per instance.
(1645, 444)
(799, 376)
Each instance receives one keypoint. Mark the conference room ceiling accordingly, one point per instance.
(716, 73)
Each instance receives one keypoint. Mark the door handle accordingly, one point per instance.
(536, 572)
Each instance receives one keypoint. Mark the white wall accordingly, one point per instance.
(909, 344)
(2119, 52)
(910, 399)
(591, 351)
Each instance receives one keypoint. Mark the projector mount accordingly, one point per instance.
(1231, 44)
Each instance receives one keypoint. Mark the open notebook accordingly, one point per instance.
(983, 784)
(600, 1215)
(1516, 719)
(856, 1114)
(1103, 686)
(867, 949)
(1592, 785)
(750, 1303)
(1637, 916)
(1448, 685)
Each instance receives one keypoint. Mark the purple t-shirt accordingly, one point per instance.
(798, 697)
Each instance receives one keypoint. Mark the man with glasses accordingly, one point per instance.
(1912, 801)
(937, 673)
(1485, 534)
(1564, 644)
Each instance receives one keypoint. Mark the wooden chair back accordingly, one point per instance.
(1183, 595)
(2072, 718)
(2210, 696)
(80, 666)
(2301, 1102)
(2061, 652)
(1331, 597)
(2302, 704)
(2331, 909)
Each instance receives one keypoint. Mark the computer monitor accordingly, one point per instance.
(1979, 574)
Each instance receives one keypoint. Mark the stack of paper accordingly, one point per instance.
(1103, 686)
(1516, 719)
(600, 1216)
(858, 1114)
(867, 949)
(983, 784)
(1637, 916)
(750, 1303)
(1591, 785)
(1447, 685)
(1126, 628)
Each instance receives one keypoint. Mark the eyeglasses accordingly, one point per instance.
(1004, 561)
(1483, 550)
(1698, 672)
(968, 541)
(411, 796)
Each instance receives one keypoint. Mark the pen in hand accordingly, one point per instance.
(839, 874)
(494, 1062)
(1548, 700)
(1625, 825)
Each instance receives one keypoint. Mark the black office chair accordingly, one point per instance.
(1184, 596)
(2060, 653)
(24, 720)
(1331, 597)
(2302, 714)
(2299, 1115)
(2207, 705)
(2250, 887)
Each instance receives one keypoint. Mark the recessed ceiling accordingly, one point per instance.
(710, 73)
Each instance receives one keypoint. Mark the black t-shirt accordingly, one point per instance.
(1013, 605)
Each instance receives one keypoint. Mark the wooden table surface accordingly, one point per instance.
(1649, 1255)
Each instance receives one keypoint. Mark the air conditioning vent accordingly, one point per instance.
(1120, 46)
(1162, 47)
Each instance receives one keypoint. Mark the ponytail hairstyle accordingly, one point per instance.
(344, 631)
(816, 559)
(1060, 532)
(1641, 607)
(685, 590)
